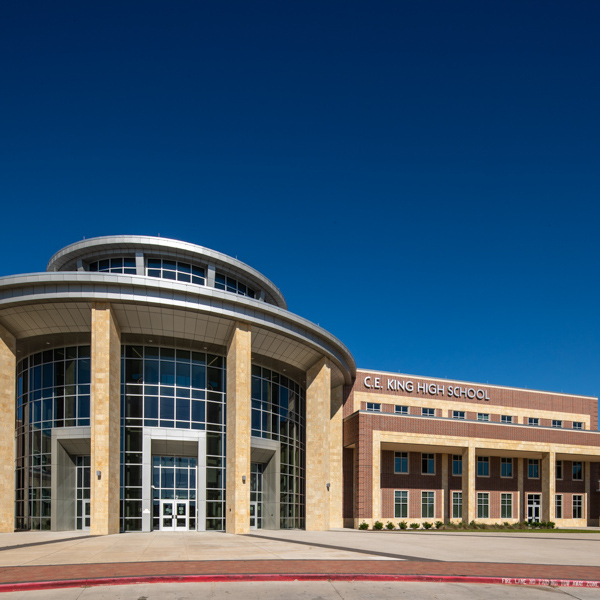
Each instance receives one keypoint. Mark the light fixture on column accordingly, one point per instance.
(328, 485)
(99, 474)
(243, 479)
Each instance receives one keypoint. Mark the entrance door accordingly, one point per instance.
(533, 507)
(86, 515)
(174, 515)
(253, 507)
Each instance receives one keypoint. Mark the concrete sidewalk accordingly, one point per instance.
(46, 559)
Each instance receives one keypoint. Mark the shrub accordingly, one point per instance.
(427, 525)
(414, 526)
(363, 525)
(389, 525)
(378, 525)
(439, 524)
(551, 524)
(403, 525)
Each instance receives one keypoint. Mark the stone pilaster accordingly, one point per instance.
(376, 477)
(336, 449)
(522, 514)
(105, 420)
(548, 485)
(587, 473)
(445, 512)
(469, 505)
(8, 370)
(239, 380)
(318, 402)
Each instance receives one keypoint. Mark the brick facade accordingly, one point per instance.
(374, 431)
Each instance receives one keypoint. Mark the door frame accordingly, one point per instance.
(174, 516)
(534, 505)
(86, 502)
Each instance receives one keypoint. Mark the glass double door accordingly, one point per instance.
(174, 515)
(533, 507)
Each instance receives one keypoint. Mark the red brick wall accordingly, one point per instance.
(454, 427)
(348, 483)
(499, 396)
(358, 430)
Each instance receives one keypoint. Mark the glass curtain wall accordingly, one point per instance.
(179, 389)
(53, 390)
(160, 387)
(278, 413)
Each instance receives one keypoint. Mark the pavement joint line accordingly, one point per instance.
(502, 537)
(33, 544)
(129, 580)
(345, 548)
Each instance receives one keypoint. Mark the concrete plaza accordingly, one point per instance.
(45, 559)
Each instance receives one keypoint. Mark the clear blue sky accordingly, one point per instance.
(420, 178)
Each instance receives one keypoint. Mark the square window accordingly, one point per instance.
(483, 466)
(506, 467)
(558, 504)
(533, 421)
(401, 504)
(428, 412)
(401, 410)
(458, 414)
(483, 505)
(483, 416)
(577, 506)
(577, 471)
(557, 423)
(401, 462)
(457, 465)
(457, 505)
(506, 419)
(428, 464)
(533, 468)
(427, 505)
(373, 407)
(506, 506)
(577, 425)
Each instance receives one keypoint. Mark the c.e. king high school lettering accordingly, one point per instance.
(432, 389)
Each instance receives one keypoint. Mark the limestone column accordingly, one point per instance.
(469, 505)
(105, 420)
(548, 485)
(587, 465)
(336, 449)
(239, 380)
(318, 402)
(521, 487)
(376, 508)
(445, 489)
(8, 370)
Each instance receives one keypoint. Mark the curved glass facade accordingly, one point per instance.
(53, 390)
(124, 265)
(175, 270)
(278, 413)
(162, 389)
(229, 284)
(173, 389)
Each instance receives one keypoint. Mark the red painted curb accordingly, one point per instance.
(69, 583)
